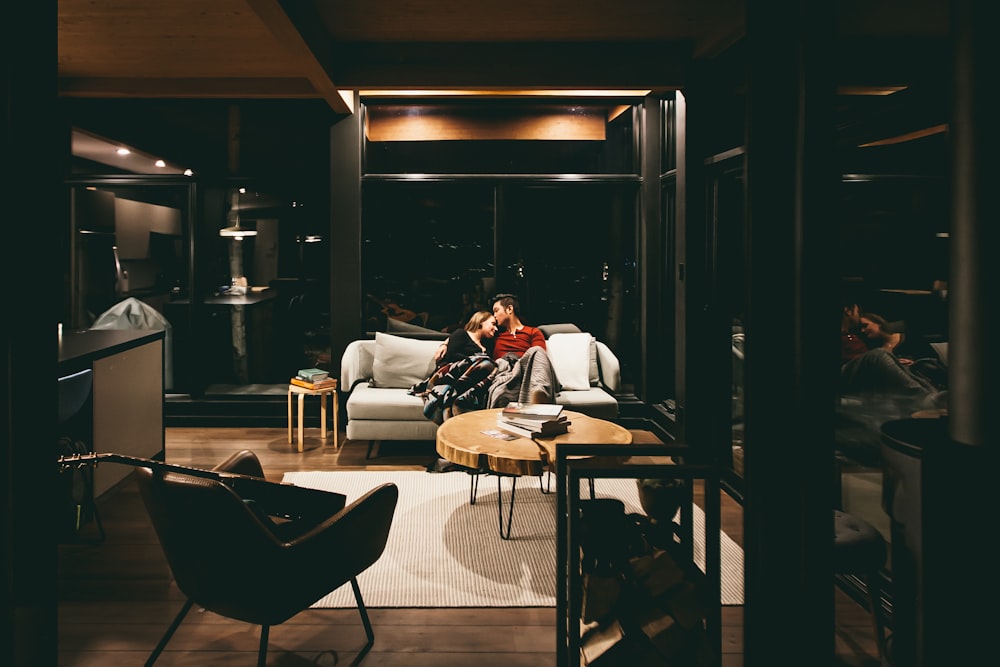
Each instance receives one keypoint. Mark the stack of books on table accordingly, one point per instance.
(533, 420)
(313, 378)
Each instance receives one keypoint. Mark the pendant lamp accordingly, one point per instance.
(237, 232)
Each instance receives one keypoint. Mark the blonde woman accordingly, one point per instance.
(475, 338)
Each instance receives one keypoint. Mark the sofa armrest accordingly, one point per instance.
(356, 364)
(610, 367)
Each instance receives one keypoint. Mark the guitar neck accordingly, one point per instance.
(276, 499)
(138, 462)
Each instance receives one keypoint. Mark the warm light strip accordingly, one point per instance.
(504, 93)
(909, 136)
(869, 90)
(392, 123)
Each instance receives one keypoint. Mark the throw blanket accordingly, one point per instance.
(517, 379)
(456, 387)
(477, 382)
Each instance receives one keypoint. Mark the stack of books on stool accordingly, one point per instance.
(313, 378)
(533, 420)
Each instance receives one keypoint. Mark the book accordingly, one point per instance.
(538, 424)
(532, 410)
(556, 429)
(313, 374)
(322, 384)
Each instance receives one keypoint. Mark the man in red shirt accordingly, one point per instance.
(514, 336)
(538, 383)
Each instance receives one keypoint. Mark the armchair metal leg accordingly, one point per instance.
(369, 633)
(265, 631)
(169, 633)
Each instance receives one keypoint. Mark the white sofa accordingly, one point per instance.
(376, 375)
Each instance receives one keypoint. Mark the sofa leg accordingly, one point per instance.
(372, 444)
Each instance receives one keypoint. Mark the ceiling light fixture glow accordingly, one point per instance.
(236, 232)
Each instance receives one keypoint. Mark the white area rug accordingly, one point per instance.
(444, 552)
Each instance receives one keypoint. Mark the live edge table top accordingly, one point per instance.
(461, 440)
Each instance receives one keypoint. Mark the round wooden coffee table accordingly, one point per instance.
(470, 440)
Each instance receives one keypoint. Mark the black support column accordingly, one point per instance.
(34, 143)
(790, 363)
(940, 474)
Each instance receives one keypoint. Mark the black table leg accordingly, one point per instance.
(510, 510)
(473, 485)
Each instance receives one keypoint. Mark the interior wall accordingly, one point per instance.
(345, 228)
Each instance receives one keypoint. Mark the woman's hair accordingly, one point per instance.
(892, 332)
(477, 319)
(508, 300)
(882, 323)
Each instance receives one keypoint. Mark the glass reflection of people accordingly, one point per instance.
(878, 369)
(852, 345)
(880, 333)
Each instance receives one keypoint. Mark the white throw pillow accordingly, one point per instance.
(569, 354)
(402, 362)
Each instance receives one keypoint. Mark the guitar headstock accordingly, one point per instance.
(83, 460)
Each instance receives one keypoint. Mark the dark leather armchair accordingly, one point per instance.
(262, 552)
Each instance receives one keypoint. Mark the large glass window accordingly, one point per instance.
(127, 257)
(535, 198)
(893, 266)
(434, 252)
(128, 241)
(427, 252)
(570, 252)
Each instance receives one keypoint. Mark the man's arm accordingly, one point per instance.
(536, 338)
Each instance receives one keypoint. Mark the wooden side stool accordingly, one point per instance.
(302, 392)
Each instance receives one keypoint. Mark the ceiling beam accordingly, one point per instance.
(298, 28)
(188, 88)
(485, 66)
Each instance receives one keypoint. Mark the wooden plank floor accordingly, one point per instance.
(117, 597)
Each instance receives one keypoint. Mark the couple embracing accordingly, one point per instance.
(494, 360)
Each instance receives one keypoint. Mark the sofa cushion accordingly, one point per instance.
(594, 402)
(402, 362)
(570, 355)
(563, 327)
(367, 402)
(408, 330)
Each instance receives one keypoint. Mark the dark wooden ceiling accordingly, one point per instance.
(288, 49)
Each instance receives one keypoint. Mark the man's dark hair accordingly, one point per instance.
(508, 300)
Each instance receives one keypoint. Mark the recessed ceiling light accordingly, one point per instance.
(160, 163)
(123, 151)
